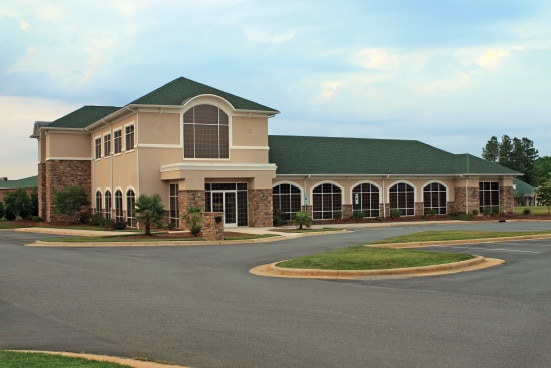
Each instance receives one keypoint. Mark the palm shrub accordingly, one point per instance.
(193, 219)
(302, 219)
(149, 210)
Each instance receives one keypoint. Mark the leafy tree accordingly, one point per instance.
(34, 201)
(193, 219)
(2, 210)
(149, 210)
(543, 195)
(17, 204)
(542, 170)
(302, 219)
(491, 151)
(71, 202)
(516, 154)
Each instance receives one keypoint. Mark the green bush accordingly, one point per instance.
(71, 203)
(337, 215)
(475, 212)
(277, 219)
(395, 214)
(495, 210)
(526, 211)
(193, 219)
(358, 215)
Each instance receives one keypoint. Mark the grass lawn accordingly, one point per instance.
(534, 210)
(9, 359)
(424, 236)
(368, 258)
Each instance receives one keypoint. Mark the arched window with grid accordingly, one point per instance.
(365, 198)
(435, 199)
(326, 201)
(402, 198)
(287, 200)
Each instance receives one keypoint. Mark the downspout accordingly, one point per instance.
(305, 200)
(384, 196)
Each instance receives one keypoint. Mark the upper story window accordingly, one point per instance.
(117, 141)
(107, 145)
(206, 132)
(129, 137)
(98, 147)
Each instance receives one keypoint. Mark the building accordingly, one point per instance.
(12, 185)
(196, 145)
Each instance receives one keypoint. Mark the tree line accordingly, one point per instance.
(519, 154)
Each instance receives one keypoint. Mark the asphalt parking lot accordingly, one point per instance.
(199, 306)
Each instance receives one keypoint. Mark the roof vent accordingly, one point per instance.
(4, 178)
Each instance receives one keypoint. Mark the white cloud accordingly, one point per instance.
(257, 35)
(378, 59)
(491, 59)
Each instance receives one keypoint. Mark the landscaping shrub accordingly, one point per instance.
(277, 219)
(337, 215)
(526, 211)
(193, 219)
(395, 214)
(358, 215)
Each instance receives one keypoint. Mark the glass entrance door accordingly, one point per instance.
(226, 202)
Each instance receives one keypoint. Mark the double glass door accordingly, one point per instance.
(223, 201)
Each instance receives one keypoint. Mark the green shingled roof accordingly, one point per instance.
(182, 89)
(29, 182)
(523, 187)
(327, 155)
(83, 117)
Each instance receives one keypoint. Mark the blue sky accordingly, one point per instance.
(448, 73)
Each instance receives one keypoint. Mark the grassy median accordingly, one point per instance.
(425, 236)
(10, 359)
(369, 258)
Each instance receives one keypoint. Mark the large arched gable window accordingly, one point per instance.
(434, 199)
(206, 132)
(287, 200)
(365, 198)
(326, 201)
(401, 198)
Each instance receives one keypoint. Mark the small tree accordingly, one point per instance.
(543, 194)
(17, 204)
(2, 210)
(302, 219)
(193, 219)
(149, 210)
(70, 202)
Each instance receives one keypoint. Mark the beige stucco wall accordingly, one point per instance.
(63, 145)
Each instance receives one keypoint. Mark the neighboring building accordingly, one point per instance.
(196, 145)
(528, 192)
(12, 185)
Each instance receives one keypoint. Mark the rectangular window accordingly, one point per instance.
(98, 147)
(173, 201)
(129, 137)
(107, 145)
(118, 141)
(489, 197)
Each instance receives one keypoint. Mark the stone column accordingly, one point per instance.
(213, 226)
(260, 208)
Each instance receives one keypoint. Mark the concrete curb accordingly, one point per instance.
(477, 263)
(279, 236)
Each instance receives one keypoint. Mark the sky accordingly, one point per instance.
(449, 73)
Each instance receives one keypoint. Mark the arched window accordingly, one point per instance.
(434, 199)
(287, 200)
(326, 201)
(108, 203)
(98, 204)
(365, 198)
(401, 198)
(130, 202)
(118, 206)
(206, 132)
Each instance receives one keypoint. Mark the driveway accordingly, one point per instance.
(199, 306)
